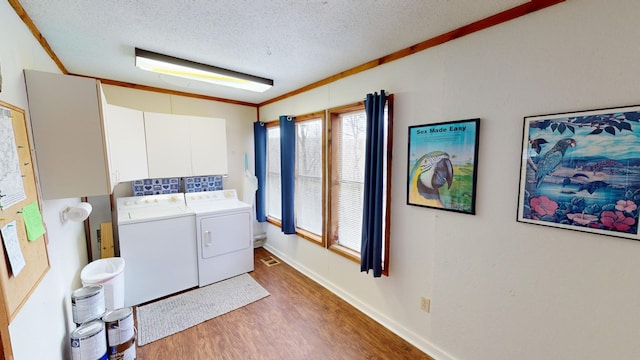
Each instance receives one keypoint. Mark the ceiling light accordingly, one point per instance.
(170, 65)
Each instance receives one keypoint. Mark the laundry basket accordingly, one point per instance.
(108, 272)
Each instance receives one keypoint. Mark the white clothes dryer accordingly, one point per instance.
(158, 242)
(224, 233)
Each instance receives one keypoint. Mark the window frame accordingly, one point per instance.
(325, 239)
(333, 116)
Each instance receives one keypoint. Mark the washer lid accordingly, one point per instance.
(151, 207)
(152, 213)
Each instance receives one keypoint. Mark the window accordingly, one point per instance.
(308, 177)
(341, 189)
(309, 156)
(273, 205)
(346, 170)
(347, 189)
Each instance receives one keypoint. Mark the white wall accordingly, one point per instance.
(500, 289)
(40, 330)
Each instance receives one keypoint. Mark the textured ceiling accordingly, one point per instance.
(293, 42)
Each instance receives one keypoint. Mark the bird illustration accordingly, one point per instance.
(429, 174)
(552, 158)
(536, 144)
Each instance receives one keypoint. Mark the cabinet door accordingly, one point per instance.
(168, 149)
(66, 123)
(208, 146)
(126, 143)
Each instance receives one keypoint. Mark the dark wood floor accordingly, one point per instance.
(298, 320)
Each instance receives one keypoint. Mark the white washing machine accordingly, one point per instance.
(224, 233)
(157, 240)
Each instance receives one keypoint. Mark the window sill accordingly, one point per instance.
(305, 234)
(346, 252)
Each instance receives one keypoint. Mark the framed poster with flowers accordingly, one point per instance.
(581, 171)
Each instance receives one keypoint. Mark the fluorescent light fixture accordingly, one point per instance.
(169, 65)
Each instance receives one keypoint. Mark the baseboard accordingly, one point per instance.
(393, 326)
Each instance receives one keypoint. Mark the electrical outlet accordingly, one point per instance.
(425, 304)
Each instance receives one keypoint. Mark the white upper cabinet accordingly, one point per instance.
(66, 122)
(208, 140)
(168, 149)
(126, 144)
(182, 145)
(85, 146)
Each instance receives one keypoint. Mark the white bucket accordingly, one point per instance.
(89, 342)
(87, 303)
(108, 272)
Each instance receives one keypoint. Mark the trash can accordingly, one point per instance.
(108, 272)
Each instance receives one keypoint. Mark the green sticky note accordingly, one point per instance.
(33, 221)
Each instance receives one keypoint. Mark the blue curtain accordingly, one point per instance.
(287, 168)
(372, 220)
(260, 145)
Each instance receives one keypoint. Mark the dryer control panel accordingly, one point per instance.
(211, 196)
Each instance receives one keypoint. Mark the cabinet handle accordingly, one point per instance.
(207, 238)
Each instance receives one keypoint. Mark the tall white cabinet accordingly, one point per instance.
(67, 127)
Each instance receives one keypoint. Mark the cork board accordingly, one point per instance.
(17, 289)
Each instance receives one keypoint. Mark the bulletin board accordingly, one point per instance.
(18, 279)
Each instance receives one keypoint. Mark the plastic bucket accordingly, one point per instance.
(108, 272)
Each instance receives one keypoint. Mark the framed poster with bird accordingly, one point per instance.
(581, 171)
(443, 165)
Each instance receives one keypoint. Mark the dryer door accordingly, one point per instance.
(224, 233)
